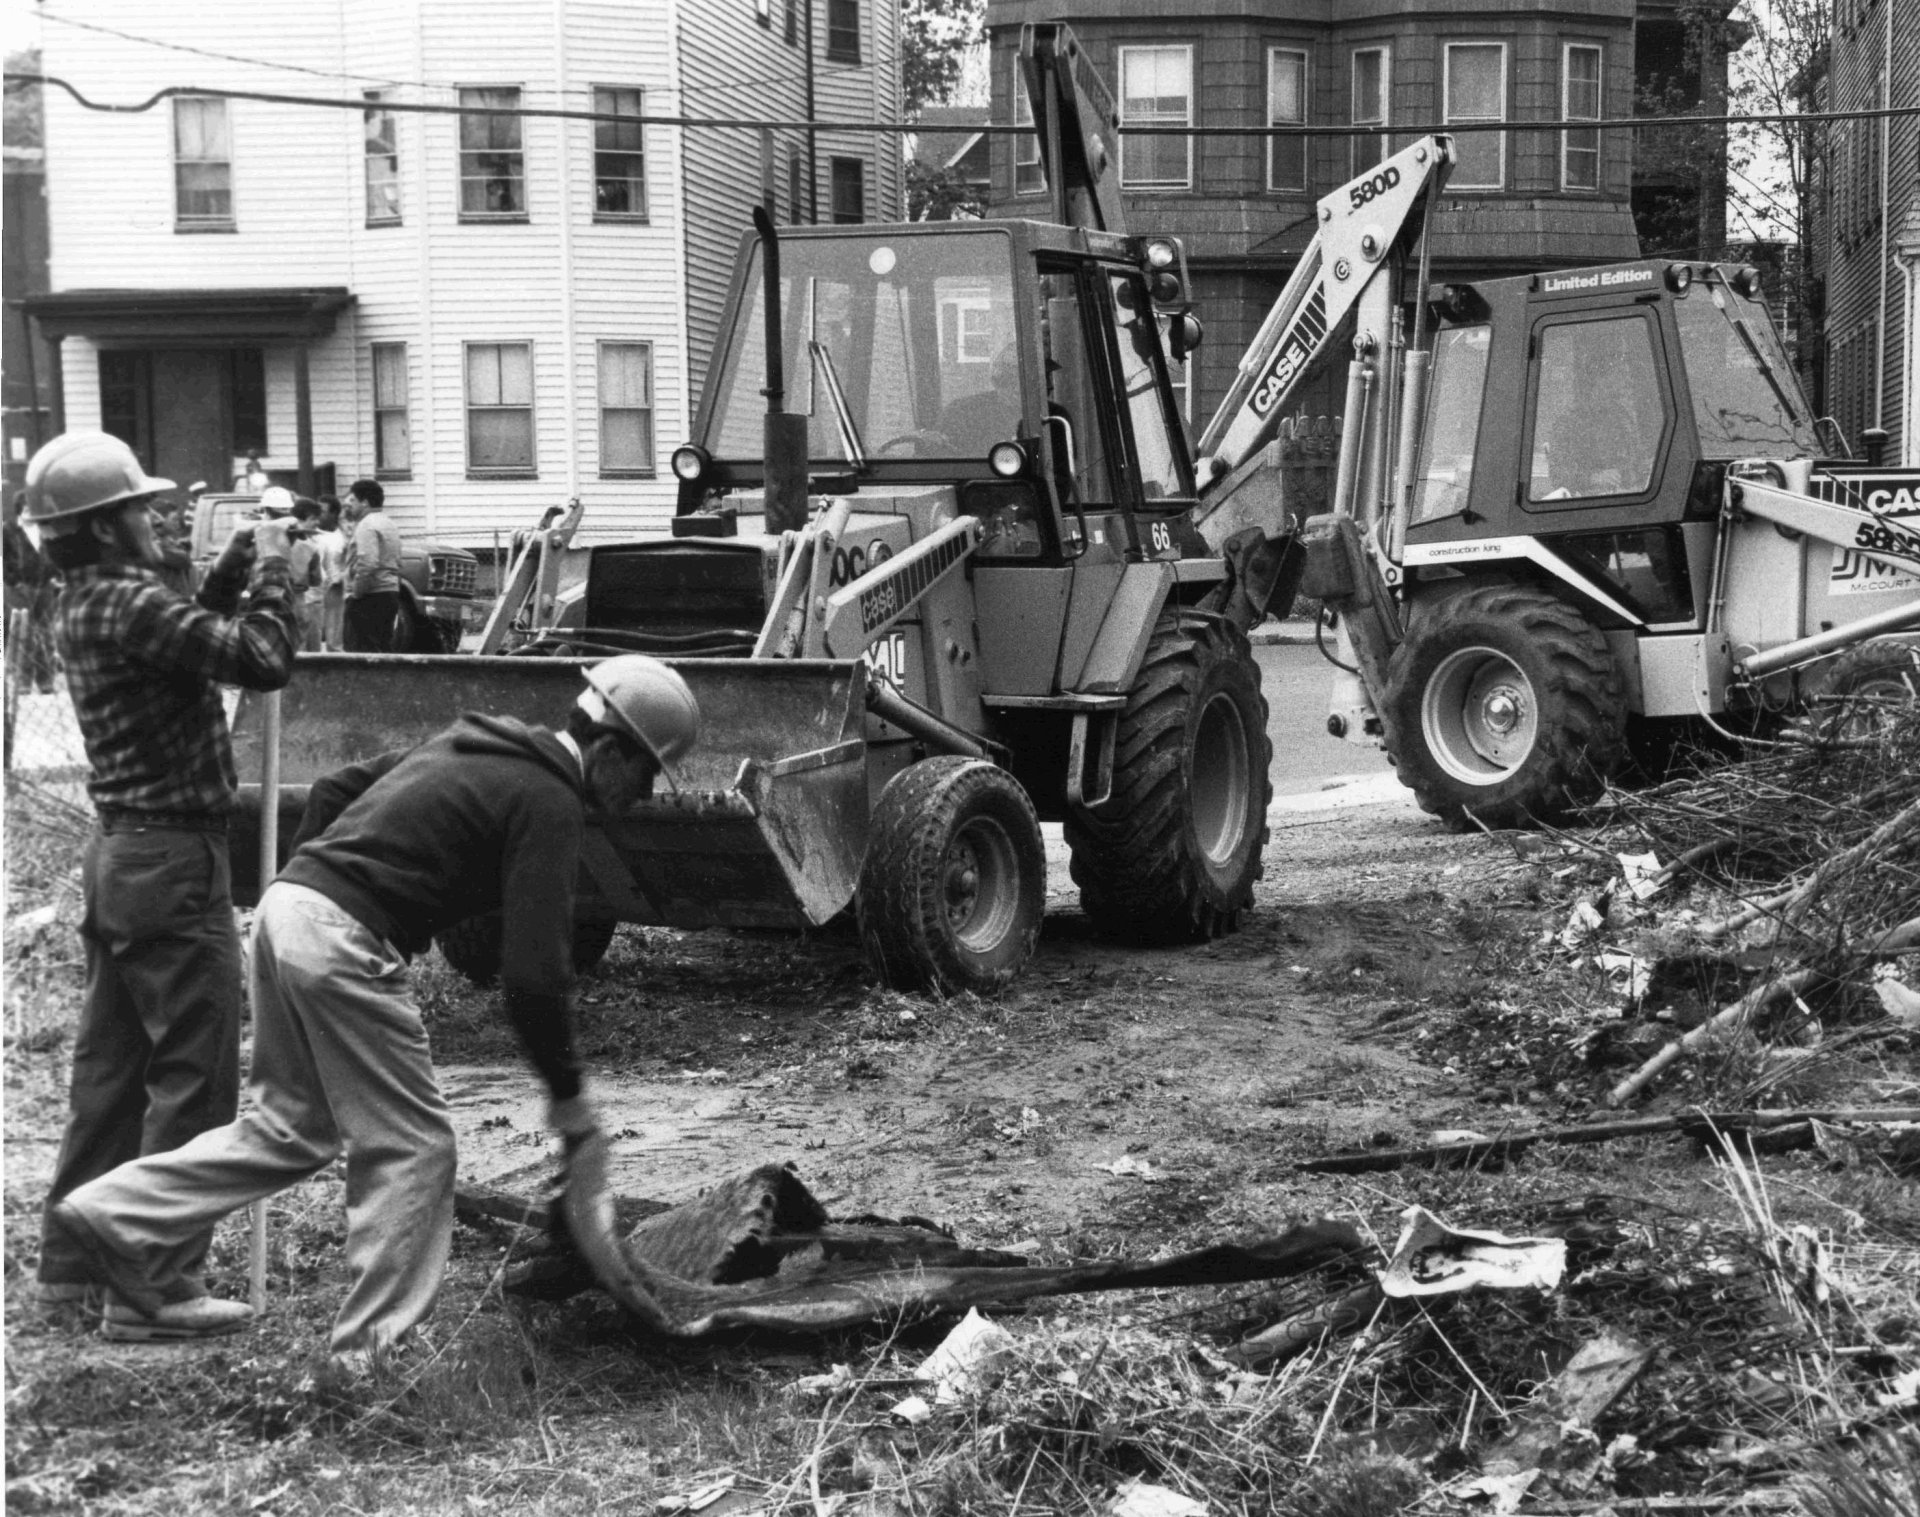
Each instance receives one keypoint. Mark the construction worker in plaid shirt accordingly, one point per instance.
(156, 1055)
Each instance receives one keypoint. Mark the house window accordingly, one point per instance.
(493, 168)
(1580, 147)
(626, 408)
(1029, 173)
(796, 189)
(619, 156)
(763, 12)
(1371, 90)
(383, 163)
(1286, 106)
(202, 165)
(1477, 91)
(392, 453)
(791, 29)
(1156, 89)
(849, 191)
(499, 408)
(843, 31)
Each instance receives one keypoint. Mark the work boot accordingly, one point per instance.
(120, 1271)
(202, 1317)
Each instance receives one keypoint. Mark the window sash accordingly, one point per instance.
(619, 154)
(1286, 106)
(849, 191)
(1474, 96)
(382, 157)
(1581, 97)
(1370, 91)
(202, 163)
(1156, 89)
(492, 162)
(392, 450)
(499, 399)
(626, 408)
(843, 30)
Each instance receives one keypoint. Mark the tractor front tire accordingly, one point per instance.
(955, 879)
(1504, 702)
(1172, 855)
(472, 947)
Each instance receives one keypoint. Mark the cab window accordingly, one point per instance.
(1598, 416)
(1081, 467)
(1162, 475)
(1453, 421)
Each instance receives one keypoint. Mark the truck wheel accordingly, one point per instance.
(1504, 702)
(1172, 856)
(955, 878)
(472, 947)
(415, 632)
(1865, 688)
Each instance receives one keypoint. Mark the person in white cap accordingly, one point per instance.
(489, 813)
(156, 1052)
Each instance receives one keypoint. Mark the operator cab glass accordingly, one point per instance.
(1746, 402)
(1453, 421)
(896, 347)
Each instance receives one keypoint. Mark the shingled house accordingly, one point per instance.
(1556, 195)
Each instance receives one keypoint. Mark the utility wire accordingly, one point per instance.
(683, 90)
(562, 113)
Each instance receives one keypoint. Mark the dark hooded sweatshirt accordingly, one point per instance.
(485, 817)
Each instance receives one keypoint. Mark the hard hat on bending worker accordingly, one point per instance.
(641, 698)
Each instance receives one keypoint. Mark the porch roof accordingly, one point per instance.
(204, 316)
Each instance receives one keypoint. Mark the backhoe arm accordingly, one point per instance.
(1361, 223)
(1078, 128)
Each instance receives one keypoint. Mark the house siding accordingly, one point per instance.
(1858, 229)
(560, 280)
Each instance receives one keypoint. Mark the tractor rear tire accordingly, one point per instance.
(472, 947)
(1172, 855)
(1504, 703)
(1865, 688)
(955, 879)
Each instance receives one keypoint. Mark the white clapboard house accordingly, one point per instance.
(491, 312)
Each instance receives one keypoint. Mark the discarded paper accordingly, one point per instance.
(1642, 873)
(1138, 1499)
(1433, 1259)
(968, 1360)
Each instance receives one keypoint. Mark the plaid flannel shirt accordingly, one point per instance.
(145, 665)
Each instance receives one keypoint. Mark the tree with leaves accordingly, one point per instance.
(935, 37)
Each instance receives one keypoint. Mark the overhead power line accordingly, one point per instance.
(756, 123)
(683, 90)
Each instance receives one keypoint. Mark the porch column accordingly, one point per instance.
(303, 417)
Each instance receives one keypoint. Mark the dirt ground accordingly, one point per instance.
(1394, 979)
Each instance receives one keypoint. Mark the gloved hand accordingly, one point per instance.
(237, 556)
(273, 538)
(574, 1119)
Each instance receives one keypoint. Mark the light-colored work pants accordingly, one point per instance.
(339, 1061)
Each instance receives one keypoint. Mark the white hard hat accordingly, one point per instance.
(650, 701)
(277, 500)
(80, 472)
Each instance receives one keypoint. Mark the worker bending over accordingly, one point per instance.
(487, 817)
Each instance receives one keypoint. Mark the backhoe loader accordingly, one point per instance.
(1589, 508)
(933, 577)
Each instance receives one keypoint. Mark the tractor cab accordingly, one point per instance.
(1018, 366)
(1595, 412)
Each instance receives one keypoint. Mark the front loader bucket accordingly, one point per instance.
(769, 827)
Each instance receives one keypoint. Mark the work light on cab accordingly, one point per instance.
(690, 461)
(1007, 459)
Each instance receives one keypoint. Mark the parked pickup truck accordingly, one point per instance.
(436, 580)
